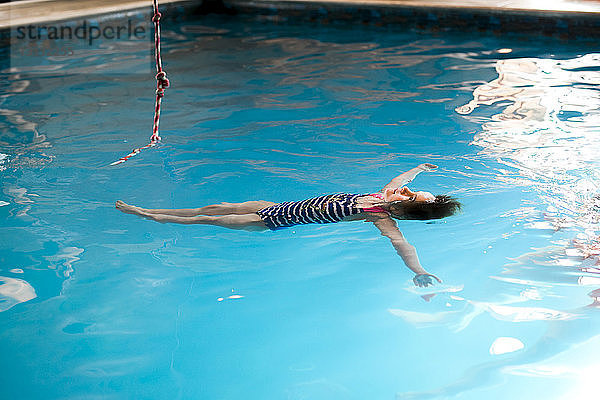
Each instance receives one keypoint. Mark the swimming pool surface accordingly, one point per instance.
(99, 304)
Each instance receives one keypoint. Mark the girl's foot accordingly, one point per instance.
(126, 208)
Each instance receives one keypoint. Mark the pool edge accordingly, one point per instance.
(421, 14)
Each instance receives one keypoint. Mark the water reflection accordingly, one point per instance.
(29, 242)
(557, 351)
(541, 117)
(545, 122)
(464, 312)
(16, 128)
(14, 291)
(503, 345)
(63, 261)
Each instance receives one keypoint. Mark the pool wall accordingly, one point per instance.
(564, 19)
(430, 16)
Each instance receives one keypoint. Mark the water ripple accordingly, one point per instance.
(545, 123)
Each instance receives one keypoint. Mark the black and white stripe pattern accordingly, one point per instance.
(320, 210)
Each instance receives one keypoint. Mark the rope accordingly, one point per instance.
(161, 84)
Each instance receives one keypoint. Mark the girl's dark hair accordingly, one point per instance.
(442, 207)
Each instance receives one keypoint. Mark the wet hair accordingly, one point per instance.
(443, 206)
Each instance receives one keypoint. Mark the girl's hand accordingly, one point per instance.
(428, 167)
(424, 280)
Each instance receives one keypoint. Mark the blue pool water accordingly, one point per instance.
(99, 304)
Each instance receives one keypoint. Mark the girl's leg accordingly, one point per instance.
(251, 222)
(247, 207)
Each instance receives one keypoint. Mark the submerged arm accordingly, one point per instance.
(389, 229)
(408, 176)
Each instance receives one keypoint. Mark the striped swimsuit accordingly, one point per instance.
(319, 210)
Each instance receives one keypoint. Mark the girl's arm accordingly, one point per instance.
(389, 229)
(408, 176)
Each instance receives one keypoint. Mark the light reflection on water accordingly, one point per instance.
(14, 291)
(548, 128)
(544, 123)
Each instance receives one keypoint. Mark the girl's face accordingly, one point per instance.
(405, 194)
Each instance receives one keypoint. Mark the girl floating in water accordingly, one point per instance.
(395, 200)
